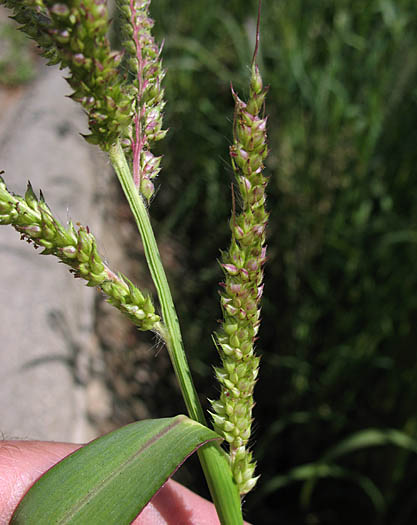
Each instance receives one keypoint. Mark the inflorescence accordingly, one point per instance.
(77, 248)
(243, 286)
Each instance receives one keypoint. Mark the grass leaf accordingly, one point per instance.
(111, 479)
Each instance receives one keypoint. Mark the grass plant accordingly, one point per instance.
(122, 95)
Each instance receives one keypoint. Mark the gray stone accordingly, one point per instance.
(46, 317)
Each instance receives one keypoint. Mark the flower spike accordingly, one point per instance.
(242, 288)
(33, 219)
(143, 58)
(73, 33)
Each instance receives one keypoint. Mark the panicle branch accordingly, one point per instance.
(126, 107)
(243, 285)
(73, 33)
(143, 59)
(77, 248)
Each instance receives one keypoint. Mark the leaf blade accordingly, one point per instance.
(111, 479)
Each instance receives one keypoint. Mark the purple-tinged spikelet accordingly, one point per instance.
(143, 59)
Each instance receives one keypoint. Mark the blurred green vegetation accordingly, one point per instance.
(338, 340)
(16, 60)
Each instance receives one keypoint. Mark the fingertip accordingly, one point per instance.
(21, 464)
(175, 504)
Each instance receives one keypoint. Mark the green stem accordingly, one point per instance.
(213, 459)
(173, 334)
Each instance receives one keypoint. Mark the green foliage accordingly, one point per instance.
(16, 63)
(339, 318)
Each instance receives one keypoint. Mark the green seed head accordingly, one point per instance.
(34, 220)
(242, 288)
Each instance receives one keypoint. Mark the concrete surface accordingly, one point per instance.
(46, 317)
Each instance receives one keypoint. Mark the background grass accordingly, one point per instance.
(338, 339)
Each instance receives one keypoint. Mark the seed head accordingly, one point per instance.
(143, 57)
(242, 287)
(74, 34)
(78, 249)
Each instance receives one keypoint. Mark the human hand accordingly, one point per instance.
(23, 462)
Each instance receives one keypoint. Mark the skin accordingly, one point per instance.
(23, 462)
